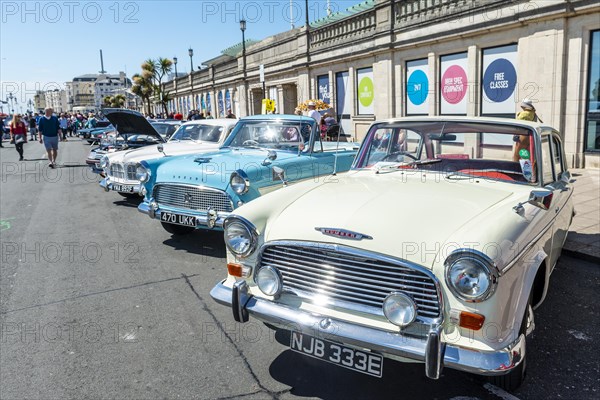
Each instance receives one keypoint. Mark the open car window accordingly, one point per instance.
(458, 149)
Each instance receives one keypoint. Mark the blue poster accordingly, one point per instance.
(227, 100)
(203, 103)
(324, 91)
(208, 103)
(499, 80)
(220, 104)
(417, 87)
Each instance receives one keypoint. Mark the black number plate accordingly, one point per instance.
(178, 219)
(338, 354)
(123, 188)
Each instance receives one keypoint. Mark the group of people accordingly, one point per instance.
(192, 115)
(49, 127)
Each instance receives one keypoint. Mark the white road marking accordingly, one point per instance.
(579, 335)
(504, 395)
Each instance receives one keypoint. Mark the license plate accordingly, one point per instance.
(178, 219)
(123, 188)
(335, 353)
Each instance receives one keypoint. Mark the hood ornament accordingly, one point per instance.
(187, 199)
(343, 234)
(202, 160)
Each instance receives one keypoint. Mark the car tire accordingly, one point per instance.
(511, 381)
(177, 229)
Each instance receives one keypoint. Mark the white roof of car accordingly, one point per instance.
(218, 121)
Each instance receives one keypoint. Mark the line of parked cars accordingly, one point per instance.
(433, 241)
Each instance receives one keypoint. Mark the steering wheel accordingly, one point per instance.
(250, 142)
(390, 156)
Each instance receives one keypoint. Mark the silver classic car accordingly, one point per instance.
(438, 250)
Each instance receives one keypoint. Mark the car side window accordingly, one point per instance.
(547, 174)
(557, 157)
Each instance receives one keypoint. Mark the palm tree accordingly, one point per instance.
(143, 87)
(155, 71)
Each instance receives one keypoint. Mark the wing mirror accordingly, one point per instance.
(279, 173)
(271, 156)
(541, 198)
(161, 149)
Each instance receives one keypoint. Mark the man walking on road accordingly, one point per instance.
(49, 128)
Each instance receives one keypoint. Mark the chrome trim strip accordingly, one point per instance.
(390, 345)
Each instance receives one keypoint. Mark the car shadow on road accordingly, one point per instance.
(133, 201)
(205, 243)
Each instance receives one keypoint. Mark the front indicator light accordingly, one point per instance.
(466, 319)
(238, 270)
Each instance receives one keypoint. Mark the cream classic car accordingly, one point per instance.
(193, 137)
(435, 247)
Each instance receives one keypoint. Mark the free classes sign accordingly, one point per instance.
(417, 87)
(454, 84)
(499, 80)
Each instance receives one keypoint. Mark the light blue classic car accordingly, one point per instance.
(262, 153)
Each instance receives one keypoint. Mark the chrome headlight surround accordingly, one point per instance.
(239, 182)
(104, 162)
(142, 173)
(471, 275)
(241, 236)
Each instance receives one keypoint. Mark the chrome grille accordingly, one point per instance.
(354, 278)
(116, 171)
(119, 171)
(192, 197)
(131, 168)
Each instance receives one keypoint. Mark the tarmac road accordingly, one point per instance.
(98, 301)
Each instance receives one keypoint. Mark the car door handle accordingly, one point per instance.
(565, 189)
(557, 209)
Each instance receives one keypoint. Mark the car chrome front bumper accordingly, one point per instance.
(204, 220)
(431, 350)
(108, 185)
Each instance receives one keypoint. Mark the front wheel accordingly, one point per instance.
(177, 229)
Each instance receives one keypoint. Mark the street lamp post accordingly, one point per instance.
(243, 29)
(175, 84)
(191, 53)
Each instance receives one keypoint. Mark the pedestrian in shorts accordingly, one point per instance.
(32, 128)
(50, 133)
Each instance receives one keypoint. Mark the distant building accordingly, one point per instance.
(57, 99)
(39, 101)
(89, 90)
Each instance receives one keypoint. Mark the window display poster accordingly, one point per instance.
(453, 84)
(228, 100)
(499, 80)
(220, 104)
(324, 88)
(417, 87)
(365, 91)
(208, 103)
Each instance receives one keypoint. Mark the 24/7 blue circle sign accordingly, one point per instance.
(499, 80)
(417, 87)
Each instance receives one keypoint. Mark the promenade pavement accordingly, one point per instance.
(583, 240)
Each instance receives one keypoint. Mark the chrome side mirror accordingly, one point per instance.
(161, 149)
(271, 156)
(541, 198)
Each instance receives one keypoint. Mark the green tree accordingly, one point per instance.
(143, 87)
(155, 71)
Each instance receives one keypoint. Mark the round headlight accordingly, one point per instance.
(471, 277)
(239, 182)
(239, 237)
(104, 163)
(269, 281)
(142, 174)
(400, 309)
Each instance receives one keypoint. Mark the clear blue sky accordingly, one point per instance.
(44, 44)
